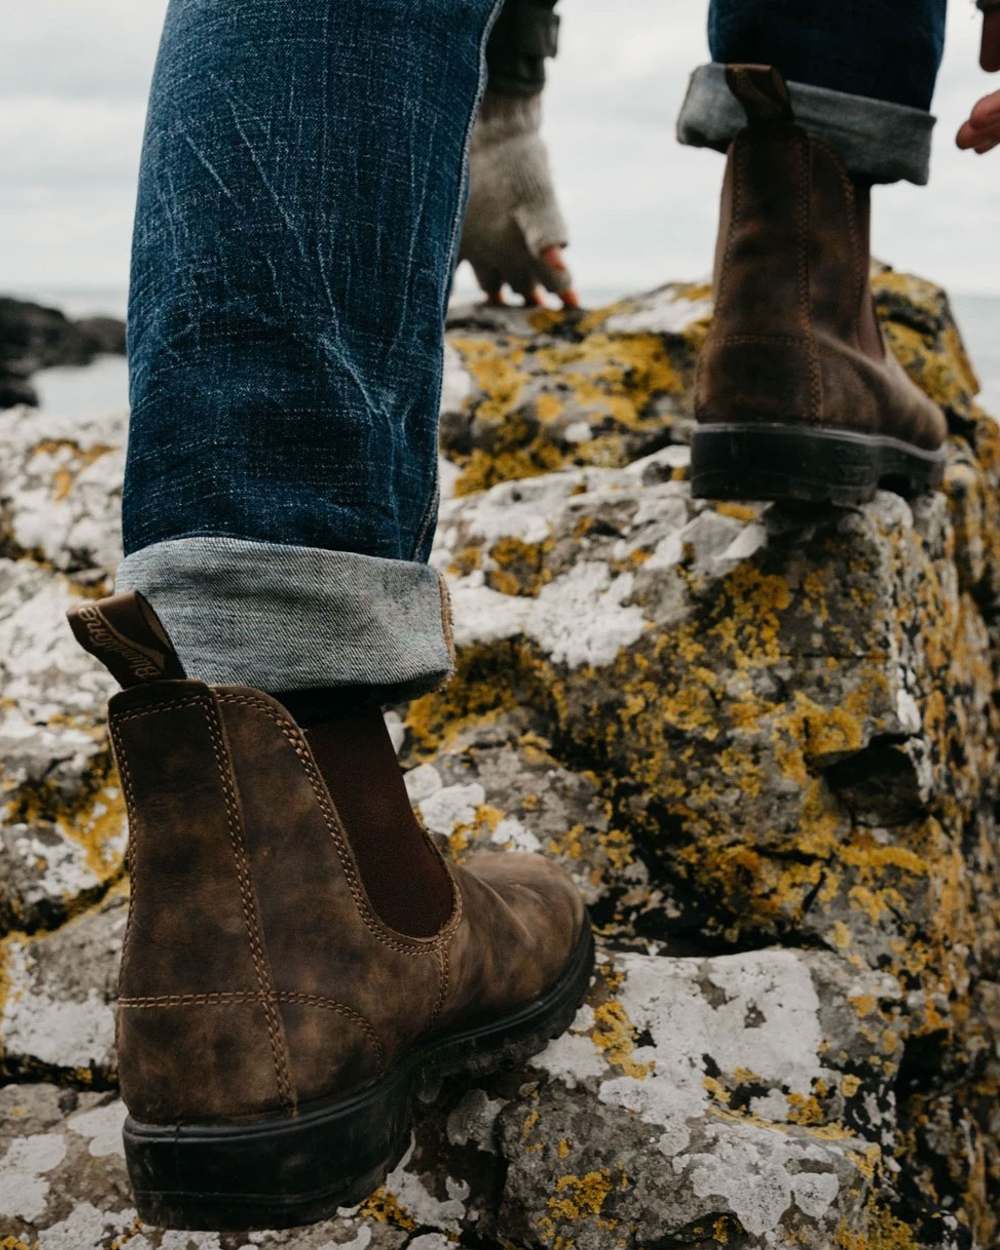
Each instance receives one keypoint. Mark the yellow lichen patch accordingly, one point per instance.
(95, 828)
(721, 1229)
(81, 458)
(570, 844)
(612, 376)
(94, 820)
(480, 470)
(563, 1148)
(5, 944)
(804, 1109)
(386, 1208)
(580, 1196)
(738, 511)
(521, 568)
(619, 848)
(465, 561)
(934, 373)
(863, 852)
(867, 1161)
(496, 371)
(716, 1090)
(481, 688)
(882, 1231)
(459, 841)
(874, 904)
(134, 1230)
(614, 1035)
(489, 816)
(527, 398)
(750, 618)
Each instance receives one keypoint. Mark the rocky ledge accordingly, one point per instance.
(764, 741)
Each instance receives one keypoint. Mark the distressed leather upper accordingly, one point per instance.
(257, 975)
(794, 338)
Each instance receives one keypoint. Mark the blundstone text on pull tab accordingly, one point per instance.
(125, 634)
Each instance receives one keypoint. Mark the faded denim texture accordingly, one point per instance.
(300, 616)
(299, 207)
(300, 200)
(878, 141)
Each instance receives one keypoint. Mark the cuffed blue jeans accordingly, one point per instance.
(300, 201)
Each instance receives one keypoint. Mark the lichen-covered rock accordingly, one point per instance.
(762, 739)
(746, 1099)
(778, 691)
(751, 1091)
(62, 835)
(544, 390)
(56, 1018)
(529, 391)
(63, 1186)
(498, 786)
(60, 491)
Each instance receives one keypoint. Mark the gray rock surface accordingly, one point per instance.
(763, 741)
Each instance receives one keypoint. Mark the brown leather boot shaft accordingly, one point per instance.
(794, 337)
(258, 976)
(227, 974)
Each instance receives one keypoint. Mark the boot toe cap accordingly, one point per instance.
(542, 901)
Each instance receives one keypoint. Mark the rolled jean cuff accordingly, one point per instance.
(878, 140)
(282, 618)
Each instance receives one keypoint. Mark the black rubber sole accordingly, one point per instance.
(284, 1171)
(794, 462)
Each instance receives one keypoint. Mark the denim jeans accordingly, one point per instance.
(861, 73)
(300, 201)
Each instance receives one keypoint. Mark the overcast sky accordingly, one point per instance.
(73, 80)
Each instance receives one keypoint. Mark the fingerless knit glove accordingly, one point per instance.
(513, 214)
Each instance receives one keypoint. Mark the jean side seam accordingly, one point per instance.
(430, 512)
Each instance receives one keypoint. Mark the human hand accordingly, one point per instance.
(981, 131)
(514, 231)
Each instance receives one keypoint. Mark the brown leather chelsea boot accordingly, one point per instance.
(798, 397)
(272, 1023)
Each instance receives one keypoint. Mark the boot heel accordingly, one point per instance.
(284, 1171)
(793, 462)
(275, 1173)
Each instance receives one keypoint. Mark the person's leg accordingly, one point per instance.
(299, 204)
(295, 941)
(861, 75)
(797, 397)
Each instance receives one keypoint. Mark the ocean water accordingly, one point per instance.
(102, 387)
(978, 319)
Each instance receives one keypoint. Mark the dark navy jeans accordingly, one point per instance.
(299, 204)
(882, 49)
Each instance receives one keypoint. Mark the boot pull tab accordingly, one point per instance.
(126, 635)
(762, 91)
